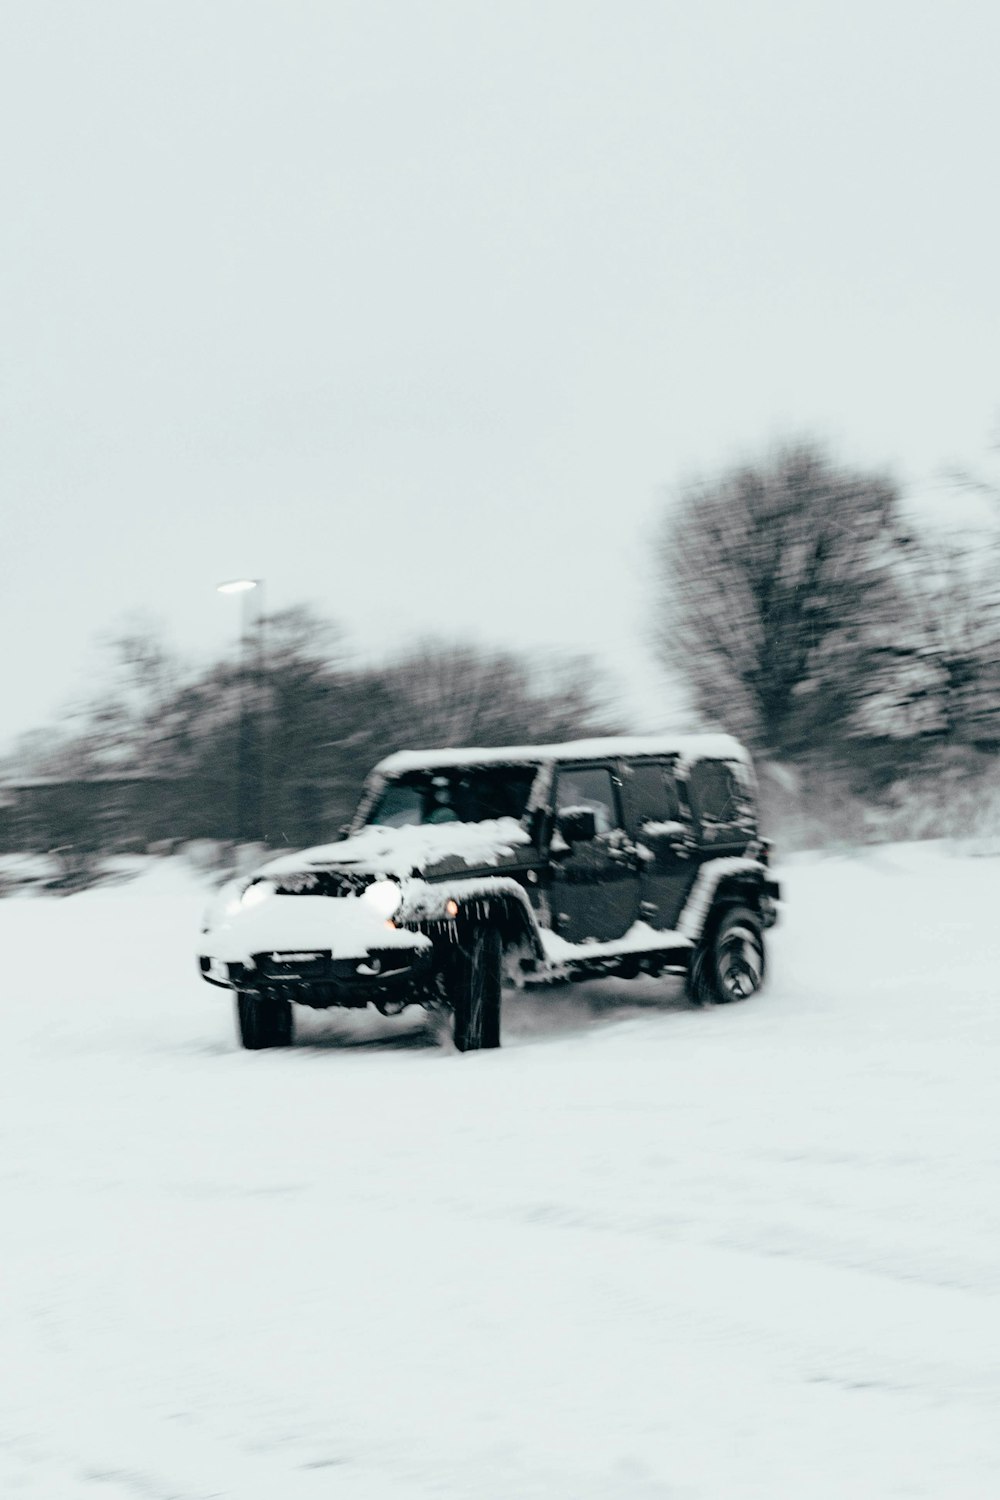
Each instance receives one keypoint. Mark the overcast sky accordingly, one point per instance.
(416, 308)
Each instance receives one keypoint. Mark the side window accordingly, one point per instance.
(653, 793)
(745, 795)
(713, 792)
(588, 787)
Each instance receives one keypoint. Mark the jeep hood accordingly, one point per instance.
(403, 852)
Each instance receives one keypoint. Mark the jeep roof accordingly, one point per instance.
(686, 747)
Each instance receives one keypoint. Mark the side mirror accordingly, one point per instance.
(578, 825)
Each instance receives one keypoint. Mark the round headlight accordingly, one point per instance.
(257, 892)
(385, 896)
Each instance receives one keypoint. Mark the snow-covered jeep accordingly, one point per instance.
(617, 856)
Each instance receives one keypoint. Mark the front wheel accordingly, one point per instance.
(730, 962)
(263, 1022)
(474, 985)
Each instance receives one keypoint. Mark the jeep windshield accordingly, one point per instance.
(452, 794)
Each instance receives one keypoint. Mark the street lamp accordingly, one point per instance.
(244, 586)
(250, 748)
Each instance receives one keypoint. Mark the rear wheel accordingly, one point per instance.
(474, 984)
(263, 1022)
(730, 962)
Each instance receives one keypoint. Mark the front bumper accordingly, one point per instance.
(319, 979)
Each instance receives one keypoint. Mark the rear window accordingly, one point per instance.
(714, 792)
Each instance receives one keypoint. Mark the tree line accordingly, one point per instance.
(270, 746)
(794, 597)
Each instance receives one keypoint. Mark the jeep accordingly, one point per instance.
(463, 868)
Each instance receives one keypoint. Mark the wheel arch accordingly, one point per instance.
(509, 916)
(450, 912)
(722, 884)
(738, 890)
(732, 895)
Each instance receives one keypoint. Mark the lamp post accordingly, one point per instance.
(250, 799)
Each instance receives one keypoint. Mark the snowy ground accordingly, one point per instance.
(642, 1253)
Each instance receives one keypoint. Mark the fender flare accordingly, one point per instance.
(496, 898)
(720, 882)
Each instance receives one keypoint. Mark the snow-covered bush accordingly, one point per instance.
(954, 792)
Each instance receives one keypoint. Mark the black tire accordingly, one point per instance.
(474, 984)
(730, 963)
(263, 1022)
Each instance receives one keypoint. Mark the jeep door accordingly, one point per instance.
(662, 829)
(594, 881)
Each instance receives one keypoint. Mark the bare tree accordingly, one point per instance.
(124, 723)
(287, 730)
(771, 581)
(984, 479)
(942, 677)
(445, 694)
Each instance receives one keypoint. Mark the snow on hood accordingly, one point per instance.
(409, 850)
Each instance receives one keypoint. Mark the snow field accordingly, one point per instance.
(643, 1252)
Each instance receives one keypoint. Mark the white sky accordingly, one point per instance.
(415, 308)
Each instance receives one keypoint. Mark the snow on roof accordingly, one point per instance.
(687, 747)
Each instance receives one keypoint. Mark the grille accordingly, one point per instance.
(323, 883)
